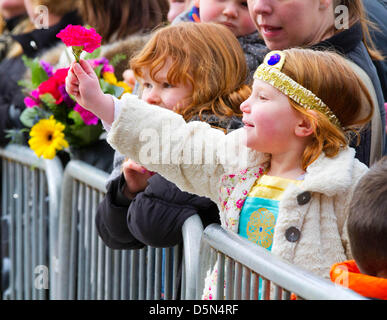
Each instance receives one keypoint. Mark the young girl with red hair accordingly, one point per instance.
(283, 181)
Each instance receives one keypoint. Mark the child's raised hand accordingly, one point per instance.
(83, 84)
(136, 177)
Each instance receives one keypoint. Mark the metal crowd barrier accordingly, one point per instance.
(241, 264)
(29, 218)
(54, 251)
(90, 270)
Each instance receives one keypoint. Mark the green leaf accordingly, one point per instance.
(49, 104)
(48, 100)
(29, 117)
(111, 89)
(84, 135)
(27, 85)
(76, 117)
(117, 59)
(94, 55)
(59, 111)
(16, 135)
(98, 70)
(38, 75)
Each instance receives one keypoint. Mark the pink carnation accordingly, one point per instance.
(78, 36)
(87, 117)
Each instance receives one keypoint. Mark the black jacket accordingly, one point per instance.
(12, 70)
(154, 217)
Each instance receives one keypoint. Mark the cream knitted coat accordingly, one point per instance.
(309, 231)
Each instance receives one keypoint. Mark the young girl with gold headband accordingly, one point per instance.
(292, 195)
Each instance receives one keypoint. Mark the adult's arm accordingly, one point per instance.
(111, 218)
(156, 216)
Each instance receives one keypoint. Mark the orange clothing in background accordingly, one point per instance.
(348, 274)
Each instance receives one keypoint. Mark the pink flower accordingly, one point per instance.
(34, 101)
(78, 36)
(87, 117)
(105, 62)
(108, 68)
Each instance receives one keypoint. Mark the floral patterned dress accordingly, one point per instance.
(257, 208)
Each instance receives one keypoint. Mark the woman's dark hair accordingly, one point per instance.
(115, 20)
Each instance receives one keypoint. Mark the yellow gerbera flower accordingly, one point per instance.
(109, 77)
(47, 137)
(123, 85)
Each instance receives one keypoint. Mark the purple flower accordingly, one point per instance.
(106, 66)
(66, 98)
(96, 62)
(47, 68)
(87, 117)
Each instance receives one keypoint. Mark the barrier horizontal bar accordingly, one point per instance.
(86, 173)
(287, 276)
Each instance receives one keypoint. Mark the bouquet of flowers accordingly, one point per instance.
(55, 120)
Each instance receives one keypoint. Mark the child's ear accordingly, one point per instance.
(305, 126)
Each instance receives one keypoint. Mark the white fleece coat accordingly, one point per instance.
(319, 217)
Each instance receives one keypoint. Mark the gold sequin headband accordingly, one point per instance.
(270, 72)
